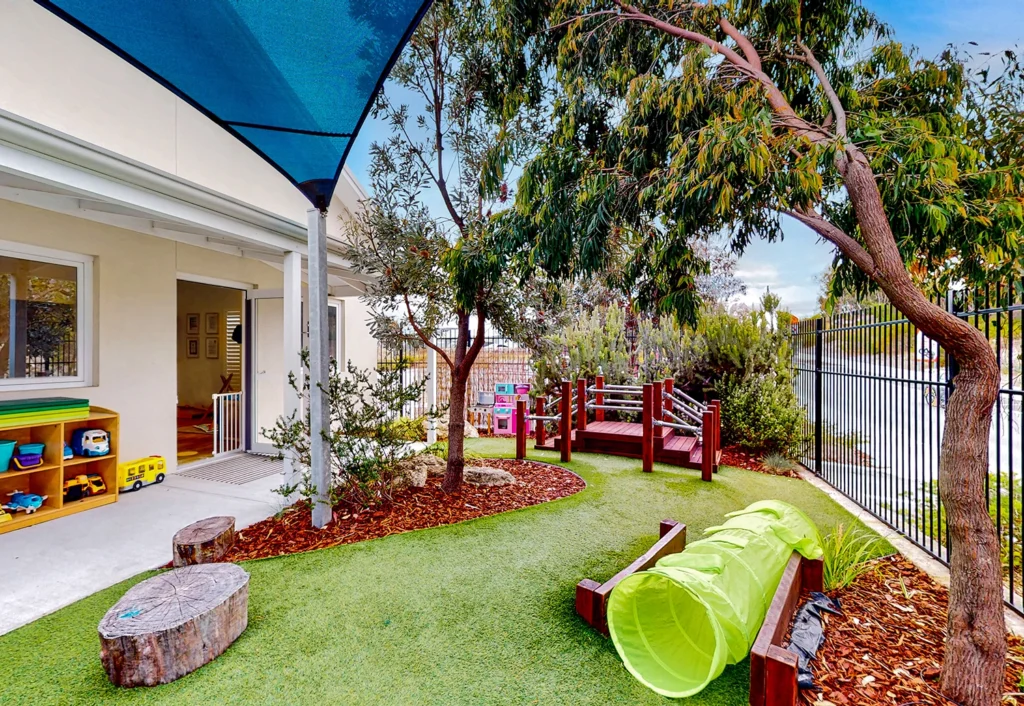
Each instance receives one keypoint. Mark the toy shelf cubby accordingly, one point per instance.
(48, 479)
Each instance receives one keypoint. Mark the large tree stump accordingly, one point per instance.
(204, 542)
(174, 623)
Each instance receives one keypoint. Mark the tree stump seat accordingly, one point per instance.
(204, 542)
(174, 623)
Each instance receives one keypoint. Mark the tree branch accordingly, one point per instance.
(423, 334)
(835, 235)
(478, 342)
(742, 42)
(826, 86)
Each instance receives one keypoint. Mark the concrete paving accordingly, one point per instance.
(56, 563)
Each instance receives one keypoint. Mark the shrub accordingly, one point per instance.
(761, 414)
(847, 553)
(366, 438)
(410, 429)
(777, 463)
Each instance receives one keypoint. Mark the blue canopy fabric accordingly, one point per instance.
(292, 79)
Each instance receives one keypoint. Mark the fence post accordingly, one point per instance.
(819, 357)
(520, 429)
(647, 439)
(581, 407)
(565, 423)
(707, 458)
(953, 305)
(668, 387)
(539, 429)
(599, 398)
(716, 407)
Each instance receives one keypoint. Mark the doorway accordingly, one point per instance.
(211, 366)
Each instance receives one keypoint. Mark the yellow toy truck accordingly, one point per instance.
(83, 486)
(132, 475)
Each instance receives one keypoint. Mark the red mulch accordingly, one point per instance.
(886, 648)
(412, 509)
(738, 458)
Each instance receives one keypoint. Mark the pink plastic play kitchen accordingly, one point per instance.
(506, 394)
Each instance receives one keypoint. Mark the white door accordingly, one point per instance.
(266, 347)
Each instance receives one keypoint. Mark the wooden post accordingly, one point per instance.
(599, 398)
(581, 408)
(707, 463)
(669, 387)
(565, 424)
(520, 429)
(647, 440)
(717, 406)
(539, 429)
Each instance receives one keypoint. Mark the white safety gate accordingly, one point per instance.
(228, 423)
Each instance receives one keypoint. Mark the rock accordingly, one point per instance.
(442, 430)
(174, 623)
(485, 475)
(413, 471)
(204, 542)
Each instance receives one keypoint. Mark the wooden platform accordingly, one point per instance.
(624, 439)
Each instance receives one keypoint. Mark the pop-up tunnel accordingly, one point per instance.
(677, 625)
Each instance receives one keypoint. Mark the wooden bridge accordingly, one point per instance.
(674, 428)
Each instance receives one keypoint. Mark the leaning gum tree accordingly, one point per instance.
(677, 121)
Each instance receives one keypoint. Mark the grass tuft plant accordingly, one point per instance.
(847, 553)
(778, 464)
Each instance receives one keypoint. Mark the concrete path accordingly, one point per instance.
(53, 564)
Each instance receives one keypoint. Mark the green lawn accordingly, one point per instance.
(477, 613)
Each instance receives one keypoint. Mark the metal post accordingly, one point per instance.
(432, 394)
(953, 303)
(292, 352)
(319, 368)
(819, 355)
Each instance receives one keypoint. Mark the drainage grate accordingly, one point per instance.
(237, 470)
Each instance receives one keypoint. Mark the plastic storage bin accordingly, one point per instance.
(6, 453)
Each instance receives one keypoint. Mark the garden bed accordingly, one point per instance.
(748, 460)
(886, 648)
(415, 508)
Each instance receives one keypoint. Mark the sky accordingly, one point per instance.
(793, 267)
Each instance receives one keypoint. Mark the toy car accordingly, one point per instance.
(132, 475)
(24, 502)
(83, 486)
(90, 442)
(68, 453)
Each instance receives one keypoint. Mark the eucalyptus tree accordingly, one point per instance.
(676, 121)
(437, 182)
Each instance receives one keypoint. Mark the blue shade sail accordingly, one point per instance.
(292, 79)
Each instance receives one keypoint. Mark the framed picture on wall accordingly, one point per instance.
(213, 348)
(213, 323)
(192, 347)
(192, 325)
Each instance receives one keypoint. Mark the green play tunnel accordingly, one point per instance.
(677, 625)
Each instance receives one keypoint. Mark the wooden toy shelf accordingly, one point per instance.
(48, 479)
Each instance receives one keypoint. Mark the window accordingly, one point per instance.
(335, 328)
(45, 317)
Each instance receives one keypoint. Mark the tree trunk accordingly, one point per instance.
(972, 670)
(456, 435)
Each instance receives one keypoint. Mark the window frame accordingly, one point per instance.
(83, 264)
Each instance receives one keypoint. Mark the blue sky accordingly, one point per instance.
(792, 268)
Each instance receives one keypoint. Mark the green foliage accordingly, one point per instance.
(364, 436)
(761, 414)
(409, 429)
(777, 463)
(847, 555)
(590, 343)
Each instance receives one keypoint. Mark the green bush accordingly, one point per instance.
(847, 553)
(409, 429)
(761, 414)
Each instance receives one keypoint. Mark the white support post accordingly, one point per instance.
(319, 366)
(292, 351)
(431, 395)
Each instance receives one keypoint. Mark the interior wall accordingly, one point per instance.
(200, 378)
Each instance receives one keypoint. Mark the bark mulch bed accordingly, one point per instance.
(738, 458)
(413, 509)
(886, 648)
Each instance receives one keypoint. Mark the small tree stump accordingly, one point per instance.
(174, 623)
(204, 542)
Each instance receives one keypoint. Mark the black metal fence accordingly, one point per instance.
(875, 391)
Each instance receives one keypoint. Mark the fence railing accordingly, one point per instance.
(875, 391)
(228, 423)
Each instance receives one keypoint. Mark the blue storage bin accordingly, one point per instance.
(6, 453)
(32, 449)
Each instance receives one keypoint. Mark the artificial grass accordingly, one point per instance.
(476, 613)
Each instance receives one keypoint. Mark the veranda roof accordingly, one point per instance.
(292, 79)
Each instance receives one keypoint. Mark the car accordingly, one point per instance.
(132, 475)
(83, 486)
(90, 442)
